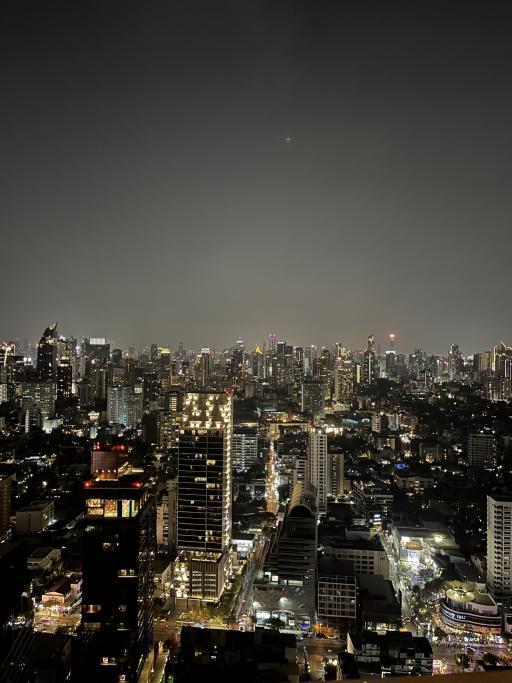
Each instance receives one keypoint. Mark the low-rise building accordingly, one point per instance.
(44, 559)
(227, 655)
(413, 483)
(394, 653)
(63, 593)
(420, 544)
(35, 517)
(465, 607)
(368, 556)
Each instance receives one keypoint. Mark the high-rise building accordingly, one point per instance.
(455, 361)
(124, 406)
(205, 367)
(337, 463)
(343, 380)
(64, 378)
(313, 398)
(47, 355)
(117, 599)
(39, 396)
(319, 471)
(204, 496)
(499, 544)
(97, 349)
(245, 448)
(500, 388)
(370, 372)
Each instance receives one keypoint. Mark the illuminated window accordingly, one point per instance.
(95, 506)
(110, 508)
(125, 508)
(91, 609)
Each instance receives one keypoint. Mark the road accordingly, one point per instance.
(244, 600)
(271, 484)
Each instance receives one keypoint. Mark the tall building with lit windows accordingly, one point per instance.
(319, 471)
(204, 497)
(116, 633)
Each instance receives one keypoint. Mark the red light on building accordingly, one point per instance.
(88, 484)
(137, 484)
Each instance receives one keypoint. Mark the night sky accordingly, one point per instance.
(201, 170)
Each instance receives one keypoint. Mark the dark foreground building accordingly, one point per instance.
(234, 656)
(117, 601)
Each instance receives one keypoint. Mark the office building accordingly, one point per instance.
(499, 544)
(116, 633)
(204, 496)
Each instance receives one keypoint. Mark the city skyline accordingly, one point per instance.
(384, 343)
(336, 169)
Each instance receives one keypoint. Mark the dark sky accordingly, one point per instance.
(149, 193)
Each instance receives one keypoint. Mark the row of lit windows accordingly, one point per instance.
(98, 507)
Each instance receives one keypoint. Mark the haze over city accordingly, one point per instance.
(207, 170)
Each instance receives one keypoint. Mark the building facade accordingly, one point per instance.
(204, 496)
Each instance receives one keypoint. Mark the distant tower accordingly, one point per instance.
(205, 367)
(370, 362)
(47, 355)
(392, 342)
(272, 341)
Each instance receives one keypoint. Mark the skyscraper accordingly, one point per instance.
(499, 544)
(47, 355)
(124, 406)
(204, 496)
(117, 600)
(370, 362)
